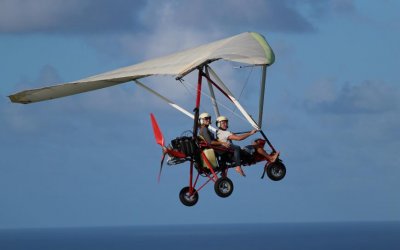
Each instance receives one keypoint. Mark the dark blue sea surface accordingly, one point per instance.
(321, 236)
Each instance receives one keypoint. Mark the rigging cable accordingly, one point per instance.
(245, 83)
(219, 103)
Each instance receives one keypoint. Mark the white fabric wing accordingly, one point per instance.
(248, 48)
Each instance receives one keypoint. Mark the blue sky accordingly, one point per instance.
(332, 109)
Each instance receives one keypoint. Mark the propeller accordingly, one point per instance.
(157, 131)
(160, 141)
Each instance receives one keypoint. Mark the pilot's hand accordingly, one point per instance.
(253, 131)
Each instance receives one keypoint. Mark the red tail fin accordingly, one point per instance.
(157, 132)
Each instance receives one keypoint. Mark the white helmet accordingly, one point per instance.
(202, 116)
(220, 119)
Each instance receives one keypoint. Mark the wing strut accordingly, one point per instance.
(262, 92)
(171, 103)
(165, 99)
(213, 100)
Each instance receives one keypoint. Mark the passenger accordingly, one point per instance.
(258, 146)
(226, 136)
(208, 136)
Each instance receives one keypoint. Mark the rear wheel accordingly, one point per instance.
(223, 187)
(276, 171)
(188, 199)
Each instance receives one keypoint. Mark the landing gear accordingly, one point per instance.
(276, 171)
(223, 187)
(188, 199)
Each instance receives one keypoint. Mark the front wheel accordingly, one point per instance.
(276, 171)
(187, 198)
(223, 187)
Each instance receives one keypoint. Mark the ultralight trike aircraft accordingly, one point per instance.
(249, 48)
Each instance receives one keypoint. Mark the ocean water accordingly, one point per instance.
(307, 236)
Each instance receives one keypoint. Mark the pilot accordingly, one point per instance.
(208, 136)
(226, 136)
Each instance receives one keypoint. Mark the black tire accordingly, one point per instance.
(186, 198)
(223, 187)
(276, 171)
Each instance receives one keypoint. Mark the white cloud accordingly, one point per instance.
(366, 97)
(102, 16)
(357, 123)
